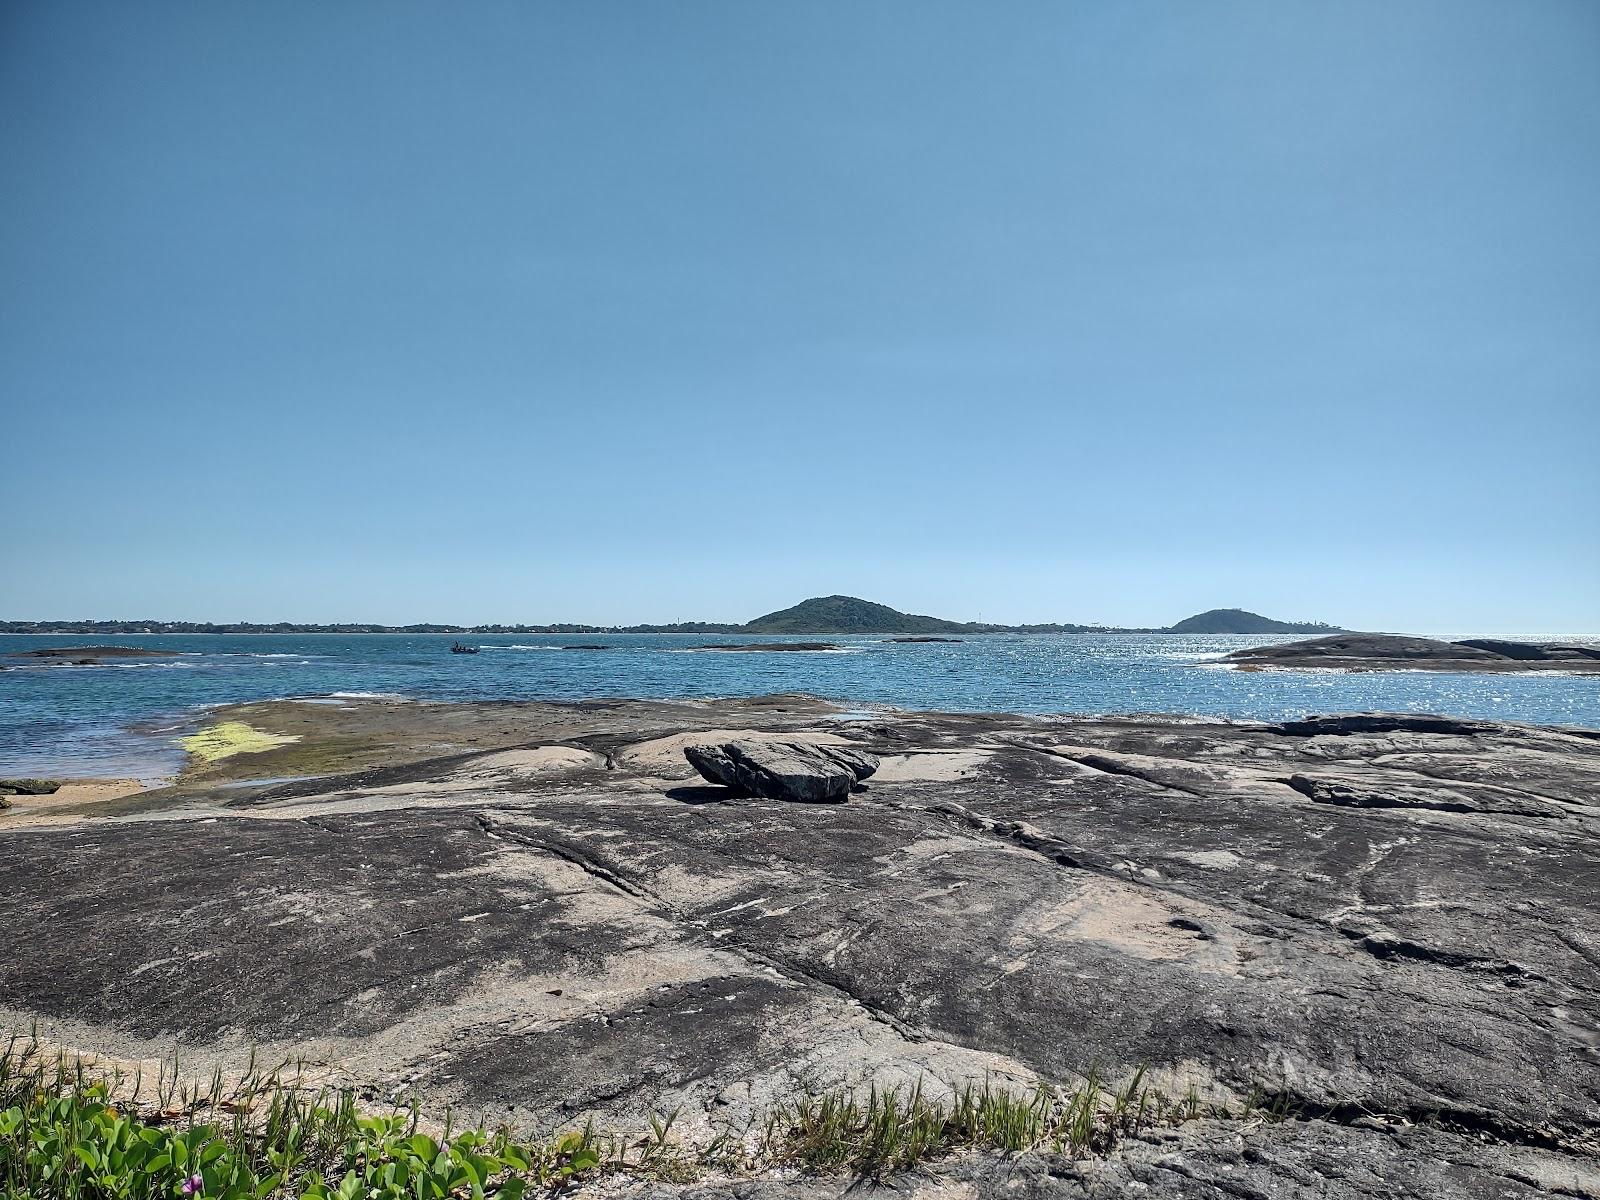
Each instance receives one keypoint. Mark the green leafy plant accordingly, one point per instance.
(68, 1135)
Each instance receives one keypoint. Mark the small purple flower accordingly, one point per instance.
(193, 1186)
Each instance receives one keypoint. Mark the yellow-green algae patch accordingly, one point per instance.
(228, 738)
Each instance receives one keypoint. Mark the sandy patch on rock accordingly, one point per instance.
(539, 760)
(929, 766)
(1212, 860)
(52, 809)
(688, 888)
(1124, 917)
(474, 781)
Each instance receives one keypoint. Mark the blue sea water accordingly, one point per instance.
(123, 719)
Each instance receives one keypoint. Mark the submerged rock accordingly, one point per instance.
(783, 770)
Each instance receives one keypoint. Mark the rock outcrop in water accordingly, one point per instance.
(1380, 651)
(1386, 925)
(90, 656)
(768, 647)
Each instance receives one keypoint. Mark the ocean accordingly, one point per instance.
(123, 719)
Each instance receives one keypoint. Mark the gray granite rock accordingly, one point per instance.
(1391, 923)
(783, 770)
(1387, 651)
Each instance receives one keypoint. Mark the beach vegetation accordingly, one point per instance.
(69, 1132)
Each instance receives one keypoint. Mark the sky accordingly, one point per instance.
(620, 312)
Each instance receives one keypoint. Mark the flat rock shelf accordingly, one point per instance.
(1388, 926)
(1388, 652)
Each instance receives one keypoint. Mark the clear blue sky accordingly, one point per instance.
(651, 311)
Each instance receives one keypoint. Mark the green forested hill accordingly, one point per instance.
(847, 614)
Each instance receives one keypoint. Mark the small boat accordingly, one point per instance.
(462, 648)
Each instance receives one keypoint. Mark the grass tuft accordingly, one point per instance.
(69, 1134)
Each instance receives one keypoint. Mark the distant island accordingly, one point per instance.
(1237, 620)
(821, 614)
(848, 614)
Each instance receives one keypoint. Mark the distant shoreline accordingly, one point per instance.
(541, 631)
(821, 615)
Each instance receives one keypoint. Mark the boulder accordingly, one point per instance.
(28, 787)
(783, 770)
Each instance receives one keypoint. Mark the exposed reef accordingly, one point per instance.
(766, 647)
(90, 656)
(1386, 925)
(1387, 652)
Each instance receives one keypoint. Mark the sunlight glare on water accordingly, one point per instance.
(76, 720)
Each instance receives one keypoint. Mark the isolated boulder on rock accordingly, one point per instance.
(783, 770)
(28, 787)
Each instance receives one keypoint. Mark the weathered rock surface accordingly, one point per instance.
(1533, 651)
(1384, 651)
(1368, 1159)
(28, 787)
(783, 770)
(564, 923)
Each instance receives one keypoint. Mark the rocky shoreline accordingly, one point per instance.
(1386, 926)
(1389, 652)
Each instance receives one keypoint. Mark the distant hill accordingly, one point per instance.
(820, 614)
(1237, 620)
(850, 614)
(847, 614)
